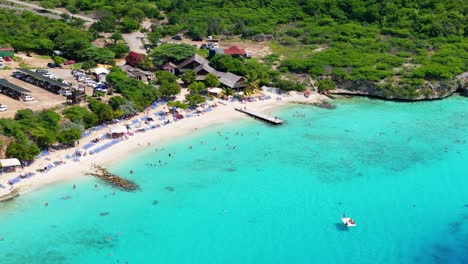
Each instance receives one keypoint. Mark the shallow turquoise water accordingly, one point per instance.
(400, 170)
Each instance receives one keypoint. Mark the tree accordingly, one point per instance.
(102, 110)
(189, 77)
(116, 101)
(69, 136)
(177, 104)
(81, 115)
(252, 85)
(169, 89)
(128, 109)
(42, 136)
(136, 14)
(135, 59)
(172, 53)
(194, 99)
(89, 64)
(99, 55)
(116, 36)
(120, 49)
(212, 80)
(67, 125)
(128, 25)
(228, 92)
(22, 150)
(59, 60)
(325, 85)
(164, 76)
(197, 87)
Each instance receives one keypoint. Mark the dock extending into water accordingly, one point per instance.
(270, 119)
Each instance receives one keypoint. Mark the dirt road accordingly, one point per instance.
(135, 40)
(33, 7)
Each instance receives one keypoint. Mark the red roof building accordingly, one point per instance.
(234, 51)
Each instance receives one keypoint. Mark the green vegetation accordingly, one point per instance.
(211, 80)
(31, 131)
(112, 15)
(189, 77)
(140, 95)
(172, 52)
(402, 43)
(30, 32)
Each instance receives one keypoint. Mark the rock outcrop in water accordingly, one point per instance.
(112, 179)
(321, 104)
(427, 91)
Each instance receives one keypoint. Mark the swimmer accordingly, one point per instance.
(131, 171)
(74, 186)
(46, 203)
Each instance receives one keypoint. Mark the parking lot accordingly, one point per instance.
(43, 99)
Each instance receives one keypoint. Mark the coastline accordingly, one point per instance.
(75, 170)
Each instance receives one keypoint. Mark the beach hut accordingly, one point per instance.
(118, 131)
(101, 74)
(215, 91)
(9, 165)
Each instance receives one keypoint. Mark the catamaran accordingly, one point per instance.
(348, 221)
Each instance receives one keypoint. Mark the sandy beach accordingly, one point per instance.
(70, 170)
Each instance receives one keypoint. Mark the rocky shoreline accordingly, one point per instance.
(428, 91)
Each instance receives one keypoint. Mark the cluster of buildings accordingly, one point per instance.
(201, 67)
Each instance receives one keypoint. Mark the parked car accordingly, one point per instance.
(197, 39)
(3, 108)
(177, 37)
(53, 65)
(1, 59)
(70, 62)
(7, 58)
(101, 85)
(100, 89)
(40, 71)
(1, 66)
(203, 46)
(248, 54)
(65, 92)
(27, 98)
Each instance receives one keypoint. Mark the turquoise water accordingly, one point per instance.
(400, 170)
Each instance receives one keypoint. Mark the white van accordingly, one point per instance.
(27, 98)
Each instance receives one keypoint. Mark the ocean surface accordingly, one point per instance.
(253, 193)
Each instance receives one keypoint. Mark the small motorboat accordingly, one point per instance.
(348, 221)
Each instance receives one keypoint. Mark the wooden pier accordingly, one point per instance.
(270, 119)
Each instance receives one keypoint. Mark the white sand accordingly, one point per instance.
(72, 170)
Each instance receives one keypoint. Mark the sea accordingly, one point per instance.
(248, 192)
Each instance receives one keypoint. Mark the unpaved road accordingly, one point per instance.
(58, 12)
(134, 41)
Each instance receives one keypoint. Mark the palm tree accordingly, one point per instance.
(252, 85)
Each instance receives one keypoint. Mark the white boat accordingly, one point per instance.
(348, 221)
